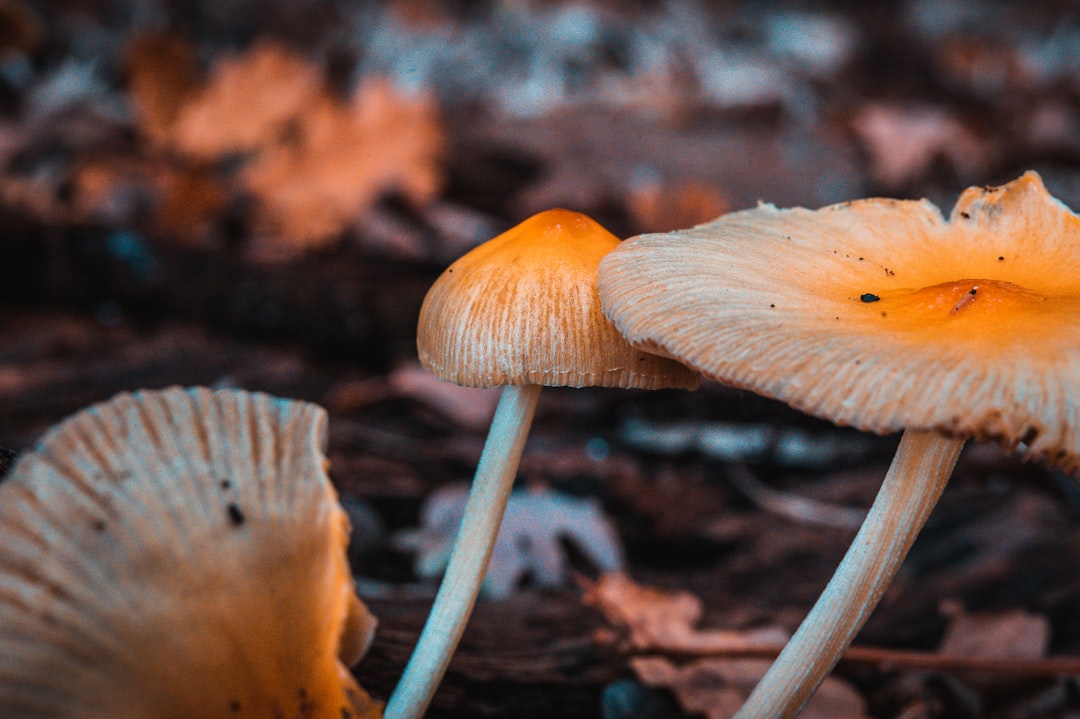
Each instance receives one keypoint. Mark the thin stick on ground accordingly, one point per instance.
(901, 660)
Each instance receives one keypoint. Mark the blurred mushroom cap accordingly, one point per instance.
(179, 553)
(879, 314)
(522, 308)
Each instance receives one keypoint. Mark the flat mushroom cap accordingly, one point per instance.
(879, 314)
(175, 554)
(522, 308)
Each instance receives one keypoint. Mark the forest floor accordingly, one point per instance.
(258, 195)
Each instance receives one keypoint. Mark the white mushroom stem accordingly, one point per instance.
(469, 559)
(919, 472)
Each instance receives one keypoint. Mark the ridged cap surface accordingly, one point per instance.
(879, 314)
(522, 309)
(175, 554)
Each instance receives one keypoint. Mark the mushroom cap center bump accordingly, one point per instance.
(984, 313)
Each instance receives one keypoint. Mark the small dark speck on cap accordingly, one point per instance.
(869, 297)
(226, 484)
(1001, 259)
(234, 706)
(235, 515)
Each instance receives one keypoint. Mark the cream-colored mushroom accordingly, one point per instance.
(175, 554)
(520, 311)
(882, 315)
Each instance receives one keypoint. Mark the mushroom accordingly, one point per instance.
(179, 553)
(519, 311)
(882, 315)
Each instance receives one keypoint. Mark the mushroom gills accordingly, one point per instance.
(178, 553)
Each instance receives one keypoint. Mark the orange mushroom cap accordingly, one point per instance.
(522, 308)
(879, 314)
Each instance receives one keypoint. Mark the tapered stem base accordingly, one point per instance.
(919, 472)
(469, 559)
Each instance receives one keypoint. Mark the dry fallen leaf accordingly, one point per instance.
(528, 544)
(313, 162)
(659, 207)
(658, 619)
(661, 621)
(716, 688)
(903, 141)
(248, 103)
(342, 158)
(1012, 638)
(1009, 634)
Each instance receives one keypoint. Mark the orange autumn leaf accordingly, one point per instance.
(661, 622)
(658, 619)
(1006, 634)
(656, 206)
(716, 688)
(312, 162)
(248, 102)
(342, 158)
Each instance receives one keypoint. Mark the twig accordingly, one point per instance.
(792, 506)
(896, 659)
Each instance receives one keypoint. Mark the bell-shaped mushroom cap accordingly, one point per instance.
(178, 554)
(878, 314)
(522, 308)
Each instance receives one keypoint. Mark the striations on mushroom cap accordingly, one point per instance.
(879, 314)
(179, 553)
(522, 308)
